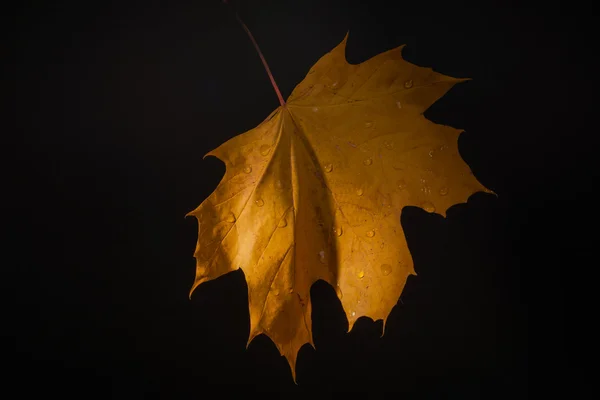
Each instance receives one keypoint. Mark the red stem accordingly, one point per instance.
(279, 96)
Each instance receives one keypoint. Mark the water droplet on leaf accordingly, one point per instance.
(443, 191)
(368, 161)
(368, 124)
(282, 223)
(428, 206)
(359, 192)
(315, 109)
(265, 149)
(388, 144)
(328, 167)
(398, 104)
(370, 233)
(386, 269)
(247, 169)
(338, 230)
(401, 184)
(230, 217)
(322, 259)
(360, 274)
(408, 84)
(259, 202)
(339, 293)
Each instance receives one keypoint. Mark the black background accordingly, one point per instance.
(114, 107)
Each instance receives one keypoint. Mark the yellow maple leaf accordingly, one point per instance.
(316, 191)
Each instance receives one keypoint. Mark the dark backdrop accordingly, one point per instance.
(116, 104)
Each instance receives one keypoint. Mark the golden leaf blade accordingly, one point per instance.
(316, 191)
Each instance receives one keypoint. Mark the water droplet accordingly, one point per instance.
(276, 292)
(368, 124)
(408, 84)
(230, 217)
(431, 153)
(315, 109)
(291, 290)
(443, 191)
(398, 104)
(401, 184)
(328, 167)
(386, 269)
(359, 192)
(360, 274)
(428, 206)
(259, 202)
(247, 169)
(338, 230)
(322, 259)
(338, 292)
(282, 223)
(334, 84)
(370, 233)
(353, 313)
(388, 144)
(265, 149)
(279, 185)
(368, 161)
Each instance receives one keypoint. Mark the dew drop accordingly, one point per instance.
(386, 269)
(322, 259)
(428, 206)
(408, 84)
(401, 184)
(359, 192)
(398, 104)
(315, 109)
(339, 293)
(265, 149)
(279, 185)
(443, 191)
(388, 144)
(368, 161)
(328, 167)
(282, 223)
(259, 202)
(360, 274)
(431, 153)
(247, 169)
(291, 290)
(338, 230)
(230, 217)
(334, 84)
(353, 313)
(370, 233)
(368, 124)
(276, 292)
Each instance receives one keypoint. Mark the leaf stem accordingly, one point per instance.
(279, 96)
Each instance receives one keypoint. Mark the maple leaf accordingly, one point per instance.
(317, 189)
